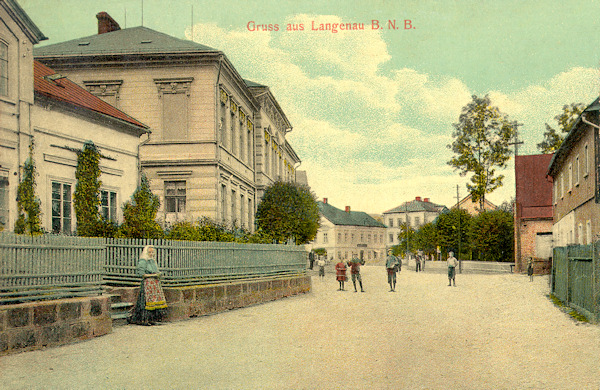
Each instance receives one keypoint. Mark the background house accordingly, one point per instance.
(204, 117)
(64, 117)
(415, 213)
(473, 207)
(346, 234)
(533, 212)
(574, 170)
(18, 34)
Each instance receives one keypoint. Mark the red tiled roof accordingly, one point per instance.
(65, 90)
(533, 188)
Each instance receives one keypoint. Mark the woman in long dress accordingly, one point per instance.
(151, 302)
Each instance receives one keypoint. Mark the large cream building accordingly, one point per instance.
(345, 234)
(217, 140)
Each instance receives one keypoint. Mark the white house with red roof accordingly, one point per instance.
(63, 118)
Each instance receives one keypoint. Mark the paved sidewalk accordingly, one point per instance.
(489, 332)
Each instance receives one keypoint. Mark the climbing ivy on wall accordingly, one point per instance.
(28, 205)
(86, 199)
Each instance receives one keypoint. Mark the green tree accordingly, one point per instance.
(407, 233)
(86, 198)
(139, 214)
(452, 229)
(426, 238)
(28, 205)
(288, 211)
(491, 234)
(205, 229)
(481, 144)
(554, 138)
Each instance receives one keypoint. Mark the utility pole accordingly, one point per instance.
(458, 209)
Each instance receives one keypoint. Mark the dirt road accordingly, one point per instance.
(490, 332)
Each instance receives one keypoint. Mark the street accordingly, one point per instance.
(496, 331)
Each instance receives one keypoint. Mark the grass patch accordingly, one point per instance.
(572, 312)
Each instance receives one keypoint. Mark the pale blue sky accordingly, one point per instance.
(373, 110)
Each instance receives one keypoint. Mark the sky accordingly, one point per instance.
(373, 110)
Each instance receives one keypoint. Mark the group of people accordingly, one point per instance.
(393, 265)
(340, 273)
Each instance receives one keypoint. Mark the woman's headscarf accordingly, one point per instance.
(145, 254)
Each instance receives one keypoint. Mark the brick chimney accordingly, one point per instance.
(106, 23)
(418, 198)
(347, 209)
(325, 200)
(426, 200)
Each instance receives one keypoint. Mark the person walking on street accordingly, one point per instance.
(340, 274)
(321, 264)
(530, 269)
(452, 263)
(311, 259)
(355, 264)
(417, 262)
(391, 265)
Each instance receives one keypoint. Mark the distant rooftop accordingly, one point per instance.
(134, 40)
(416, 205)
(347, 218)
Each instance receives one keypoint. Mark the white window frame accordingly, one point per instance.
(61, 200)
(588, 232)
(576, 171)
(176, 197)
(586, 156)
(109, 211)
(4, 58)
(570, 177)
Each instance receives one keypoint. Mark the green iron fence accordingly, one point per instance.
(51, 267)
(575, 278)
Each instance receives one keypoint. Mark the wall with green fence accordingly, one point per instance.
(575, 271)
(52, 267)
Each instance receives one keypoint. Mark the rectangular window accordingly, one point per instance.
(3, 69)
(417, 221)
(250, 213)
(175, 196)
(175, 116)
(576, 171)
(580, 234)
(223, 203)
(586, 163)
(588, 231)
(345, 237)
(391, 238)
(570, 178)
(391, 222)
(223, 124)
(61, 208)
(242, 141)
(267, 158)
(339, 237)
(324, 238)
(250, 148)
(233, 207)
(369, 238)
(108, 205)
(242, 212)
(233, 123)
(399, 222)
(3, 202)
(562, 186)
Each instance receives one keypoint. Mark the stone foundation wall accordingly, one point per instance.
(193, 301)
(36, 325)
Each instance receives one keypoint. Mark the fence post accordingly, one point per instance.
(595, 284)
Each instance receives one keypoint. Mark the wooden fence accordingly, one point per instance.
(575, 278)
(51, 267)
(198, 262)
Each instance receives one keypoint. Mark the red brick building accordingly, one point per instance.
(533, 212)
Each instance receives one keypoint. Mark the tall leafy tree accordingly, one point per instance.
(139, 213)
(29, 206)
(452, 229)
(288, 211)
(554, 138)
(492, 236)
(481, 145)
(426, 238)
(86, 198)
